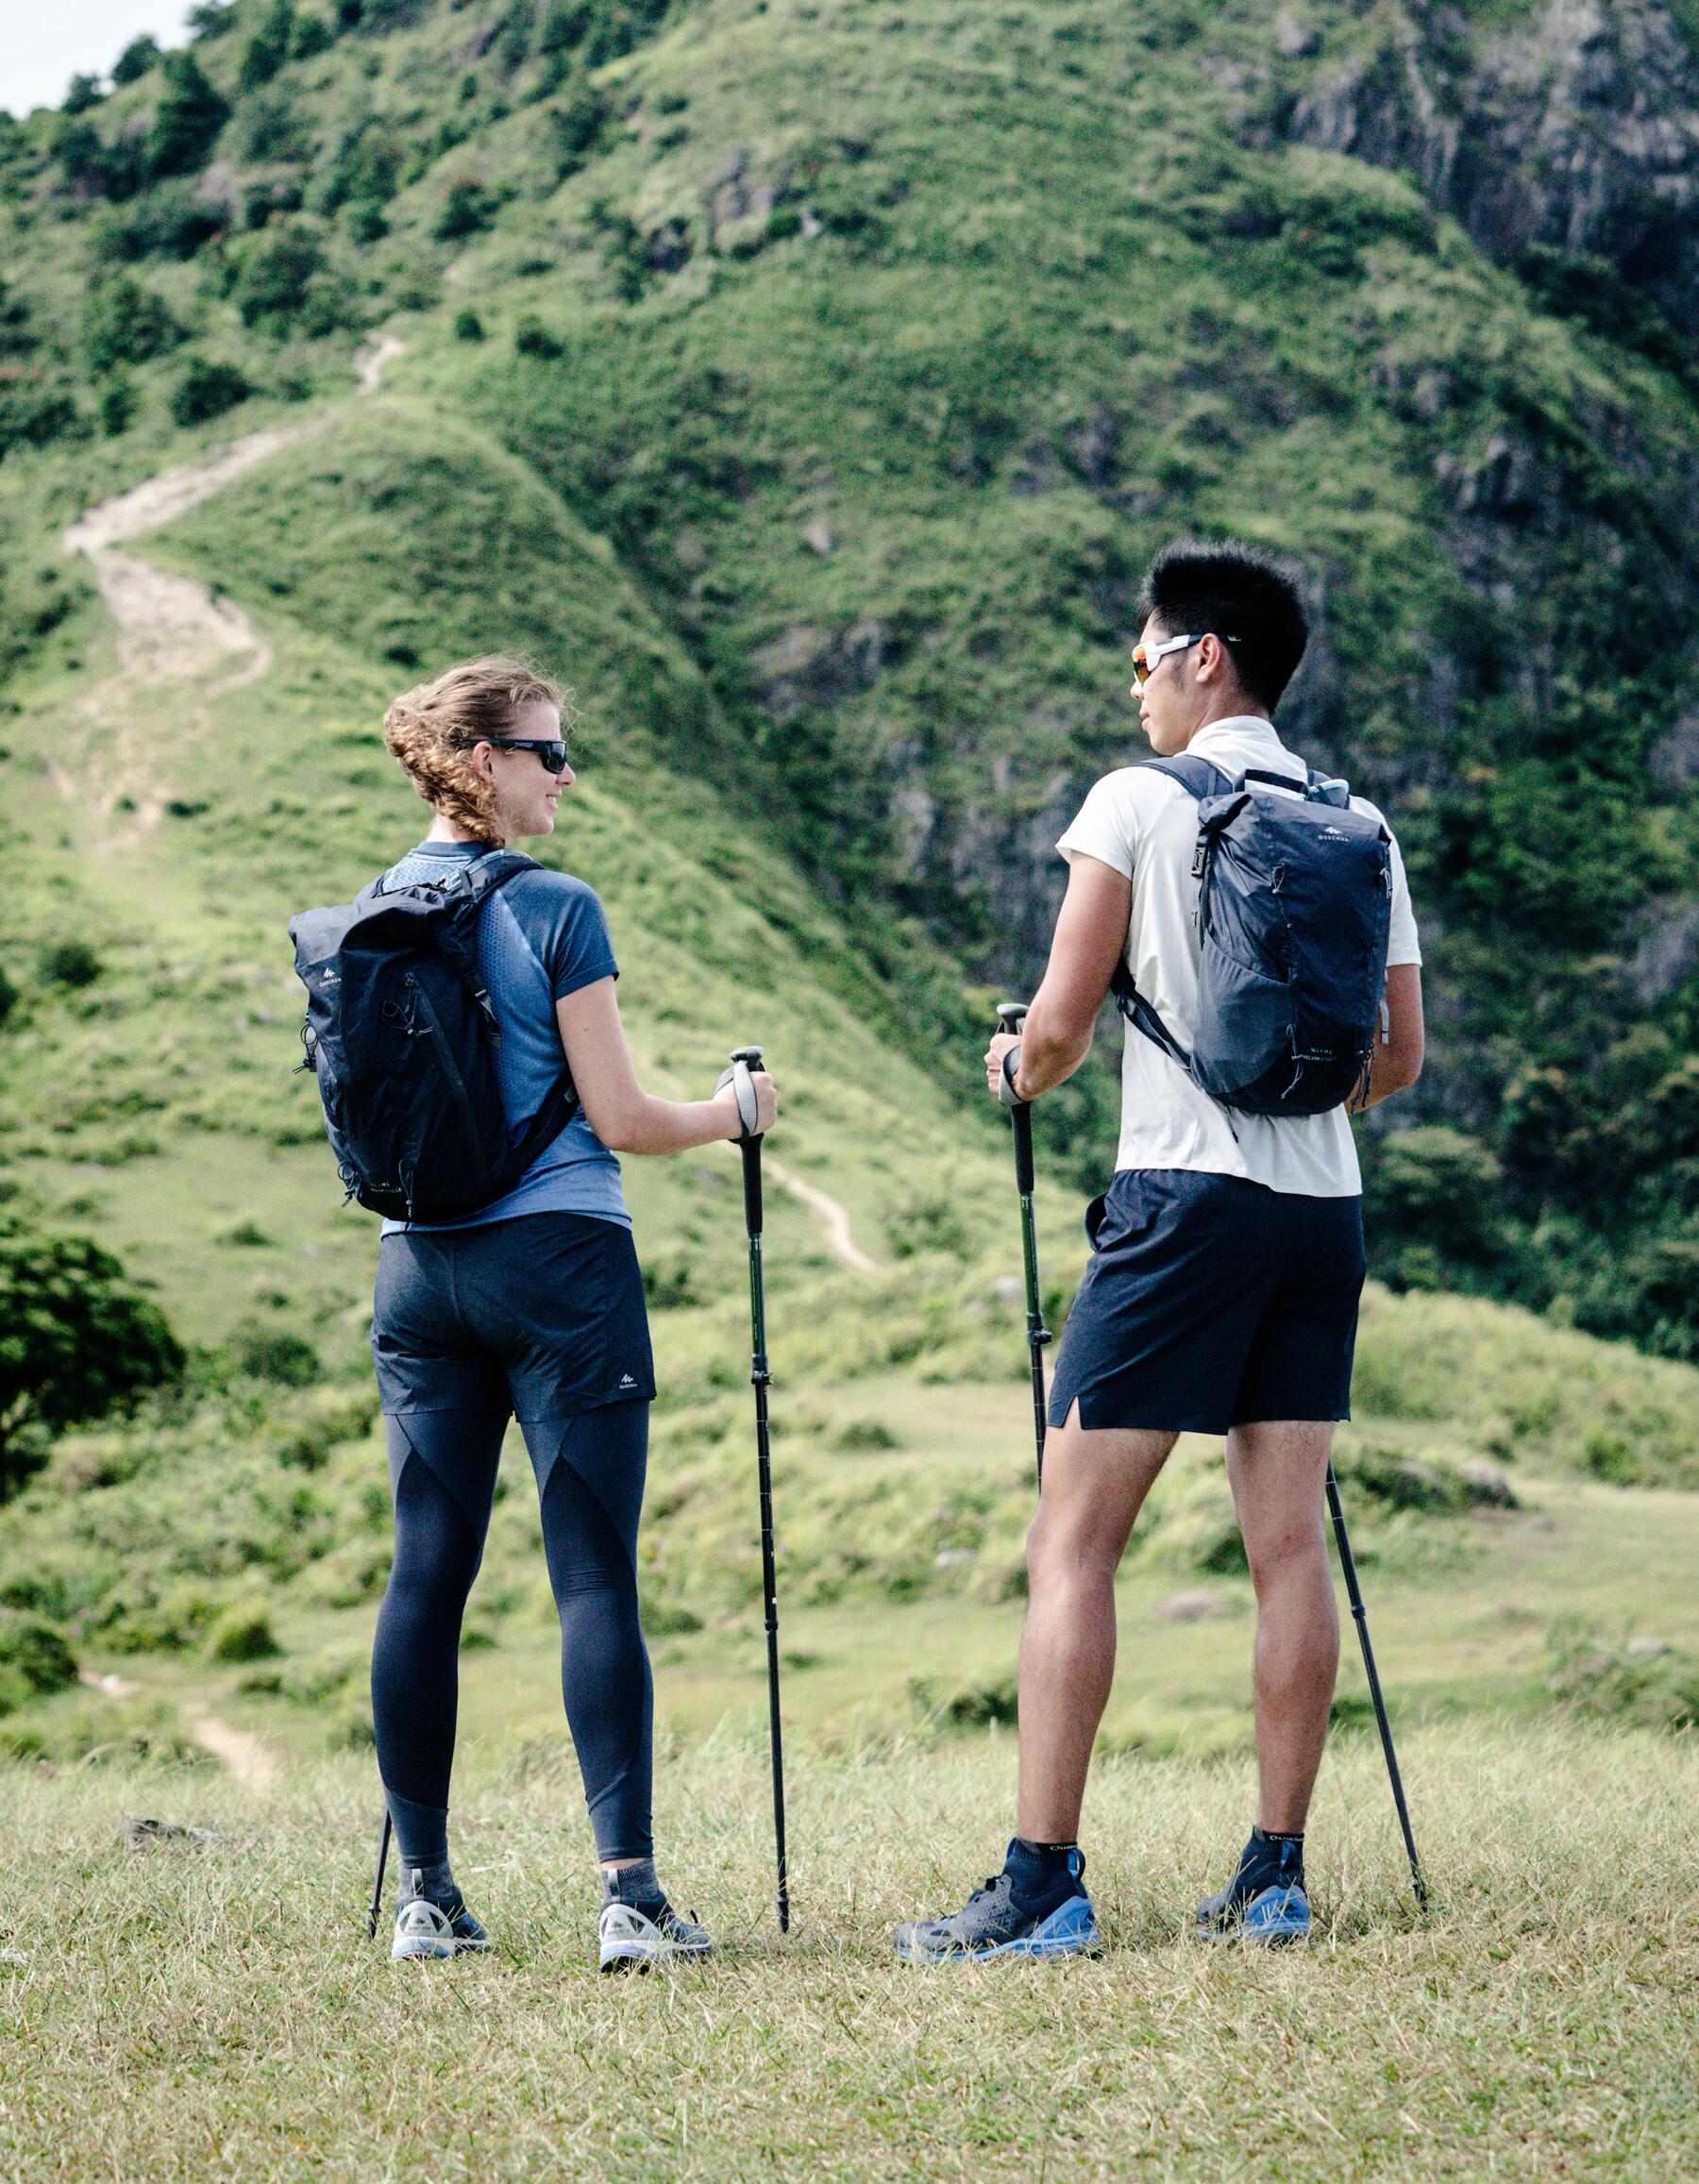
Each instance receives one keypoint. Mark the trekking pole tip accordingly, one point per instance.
(1011, 1014)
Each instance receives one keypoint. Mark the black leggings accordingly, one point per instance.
(590, 1473)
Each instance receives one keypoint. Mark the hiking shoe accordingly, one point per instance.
(1271, 1915)
(993, 1924)
(425, 1929)
(632, 1940)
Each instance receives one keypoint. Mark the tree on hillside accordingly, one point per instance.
(189, 115)
(138, 57)
(76, 1342)
(268, 48)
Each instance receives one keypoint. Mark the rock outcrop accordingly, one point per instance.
(1577, 130)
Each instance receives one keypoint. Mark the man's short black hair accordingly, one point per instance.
(1199, 586)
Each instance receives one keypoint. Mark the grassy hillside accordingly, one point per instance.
(213, 2014)
(872, 350)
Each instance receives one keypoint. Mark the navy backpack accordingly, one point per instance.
(1294, 903)
(402, 1038)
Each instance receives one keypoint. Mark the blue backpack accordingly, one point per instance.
(1294, 903)
(403, 1039)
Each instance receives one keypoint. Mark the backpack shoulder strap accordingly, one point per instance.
(481, 879)
(1197, 777)
(493, 871)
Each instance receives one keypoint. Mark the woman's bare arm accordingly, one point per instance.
(625, 1117)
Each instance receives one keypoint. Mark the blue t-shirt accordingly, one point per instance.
(540, 937)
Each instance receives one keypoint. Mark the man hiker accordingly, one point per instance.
(1227, 1253)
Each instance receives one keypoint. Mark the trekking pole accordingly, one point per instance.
(1360, 1617)
(1010, 1016)
(743, 1062)
(377, 1902)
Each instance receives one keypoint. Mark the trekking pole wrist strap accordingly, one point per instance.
(1007, 1076)
(749, 1104)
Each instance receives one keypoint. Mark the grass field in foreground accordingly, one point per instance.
(216, 2013)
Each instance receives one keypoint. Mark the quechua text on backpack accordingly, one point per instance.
(1294, 906)
(403, 1040)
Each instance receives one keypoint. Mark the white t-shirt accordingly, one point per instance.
(1145, 825)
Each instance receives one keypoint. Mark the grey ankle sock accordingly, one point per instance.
(635, 1885)
(434, 1883)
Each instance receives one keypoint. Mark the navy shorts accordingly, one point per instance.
(1209, 1302)
(541, 1316)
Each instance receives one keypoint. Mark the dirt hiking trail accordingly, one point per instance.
(168, 629)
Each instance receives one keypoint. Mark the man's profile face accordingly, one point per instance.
(1169, 701)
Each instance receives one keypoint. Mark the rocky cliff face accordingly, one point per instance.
(1576, 128)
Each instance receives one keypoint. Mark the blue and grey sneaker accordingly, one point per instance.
(995, 1922)
(1265, 1901)
(631, 1939)
(427, 1929)
(1274, 1915)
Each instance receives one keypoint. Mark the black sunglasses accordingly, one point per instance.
(551, 749)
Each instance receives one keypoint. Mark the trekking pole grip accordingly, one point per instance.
(1010, 1017)
(750, 1058)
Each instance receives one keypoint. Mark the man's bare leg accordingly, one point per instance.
(1277, 1472)
(1093, 1487)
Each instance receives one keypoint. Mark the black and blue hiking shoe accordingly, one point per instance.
(1036, 1907)
(1265, 1901)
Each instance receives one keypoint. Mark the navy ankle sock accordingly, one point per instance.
(1269, 1860)
(1043, 1874)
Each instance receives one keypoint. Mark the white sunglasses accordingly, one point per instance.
(1148, 658)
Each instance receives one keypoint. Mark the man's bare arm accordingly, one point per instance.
(1090, 939)
(1397, 1060)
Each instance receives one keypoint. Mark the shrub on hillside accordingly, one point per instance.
(467, 210)
(531, 338)
(168, 221)
(931, 1224)
(34, 412)
(123, 322)
(1642, 1681)
(117, 405)
(34, 1659)
(207, 389)
(243, 1634)
(68, 963)
(272, 1353)
(283, 281)
(1431, 1208)
(8, 996)
(76, 1342)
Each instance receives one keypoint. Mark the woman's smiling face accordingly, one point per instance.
(526, 792)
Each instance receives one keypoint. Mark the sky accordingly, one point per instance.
(44, 47)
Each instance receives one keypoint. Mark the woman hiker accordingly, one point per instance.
(532, 1306)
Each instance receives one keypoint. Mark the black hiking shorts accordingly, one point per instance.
(541, 1316)
(1210, 1302)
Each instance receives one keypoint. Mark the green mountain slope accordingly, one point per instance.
(879, 347)
(806, 385)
